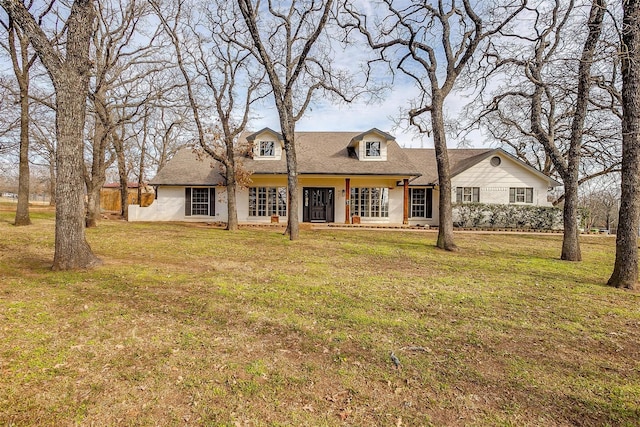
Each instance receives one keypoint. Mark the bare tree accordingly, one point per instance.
(415, 37)
(22, 60)
(70, 76)
(210, 59)
(291, 43)
(554, 98)
(126, 61)
(625, 271)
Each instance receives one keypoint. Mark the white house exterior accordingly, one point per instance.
(343, 177)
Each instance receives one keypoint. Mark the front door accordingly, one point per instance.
(318, 204)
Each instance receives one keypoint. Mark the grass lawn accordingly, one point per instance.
(191, 325)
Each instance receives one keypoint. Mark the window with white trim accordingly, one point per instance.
(199, 201)
(370, 202)
(421, 202)
(267, 201)
(521, 195)
(372, 149)
(468, 195)
(267, 149)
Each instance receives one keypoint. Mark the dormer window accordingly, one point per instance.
(267, 148)
(372, 149)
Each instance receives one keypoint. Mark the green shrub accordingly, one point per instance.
(507, 216)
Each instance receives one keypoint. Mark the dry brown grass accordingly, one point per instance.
(188, 325)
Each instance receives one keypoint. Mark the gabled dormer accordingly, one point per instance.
(267, 144)
(371, 145)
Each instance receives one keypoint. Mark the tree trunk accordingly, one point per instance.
(52, 180)
(570, 241)
(22, 210)
(571, 238)
(97, 176)
(71, 248)
(445, 215)
(118, 145)
(230, 173)
(625, 271)
(293, 220)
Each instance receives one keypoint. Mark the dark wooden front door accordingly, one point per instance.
(318, 204)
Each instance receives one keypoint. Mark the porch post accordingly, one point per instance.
(405, 212)
(347, 203)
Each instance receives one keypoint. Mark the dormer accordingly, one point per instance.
(371, 145)
(267, 144)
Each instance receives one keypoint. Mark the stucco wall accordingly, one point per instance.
(169, 204)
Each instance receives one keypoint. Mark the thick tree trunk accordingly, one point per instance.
(625, 271)
(71, 248)
(570, 241)
(571, 238)
(93, 206)
(445, 216)
(22, 210)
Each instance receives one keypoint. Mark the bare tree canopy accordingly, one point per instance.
(547, 96)
(292, 43)
(433, 44)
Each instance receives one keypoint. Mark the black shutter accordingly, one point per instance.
(476, 194)
(429, 203)
(187, 201)
(212, 201)
(512, 195)
(459, 195)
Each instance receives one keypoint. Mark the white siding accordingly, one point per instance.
(267, 136)
(494, 181)
(362, 145)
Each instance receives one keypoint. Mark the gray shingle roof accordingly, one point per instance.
(460, 159)
(184, 168)
(319, 153)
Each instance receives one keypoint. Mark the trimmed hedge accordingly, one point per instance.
(507, 216)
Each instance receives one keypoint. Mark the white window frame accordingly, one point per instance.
(267, 201)
(369, 149)
(413, 202)
(521, 195)
(200, 201)
(370, 202)
(265, 147)
(468, 195)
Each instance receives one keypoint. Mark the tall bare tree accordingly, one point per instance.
(554, 98)
(69, 73)
(209, 59)
(126, 60)
(432, 43)
(22, 60)
(625, 271)
(291, 43)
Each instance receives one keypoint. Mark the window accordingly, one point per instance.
(521, 195)
(421, 200)
(267, 201)
(495, 161)
(372, 149)
(468, 195)
(370, 202)
(267, 148)
(199, 201)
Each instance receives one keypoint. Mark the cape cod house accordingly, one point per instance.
(343, 177)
